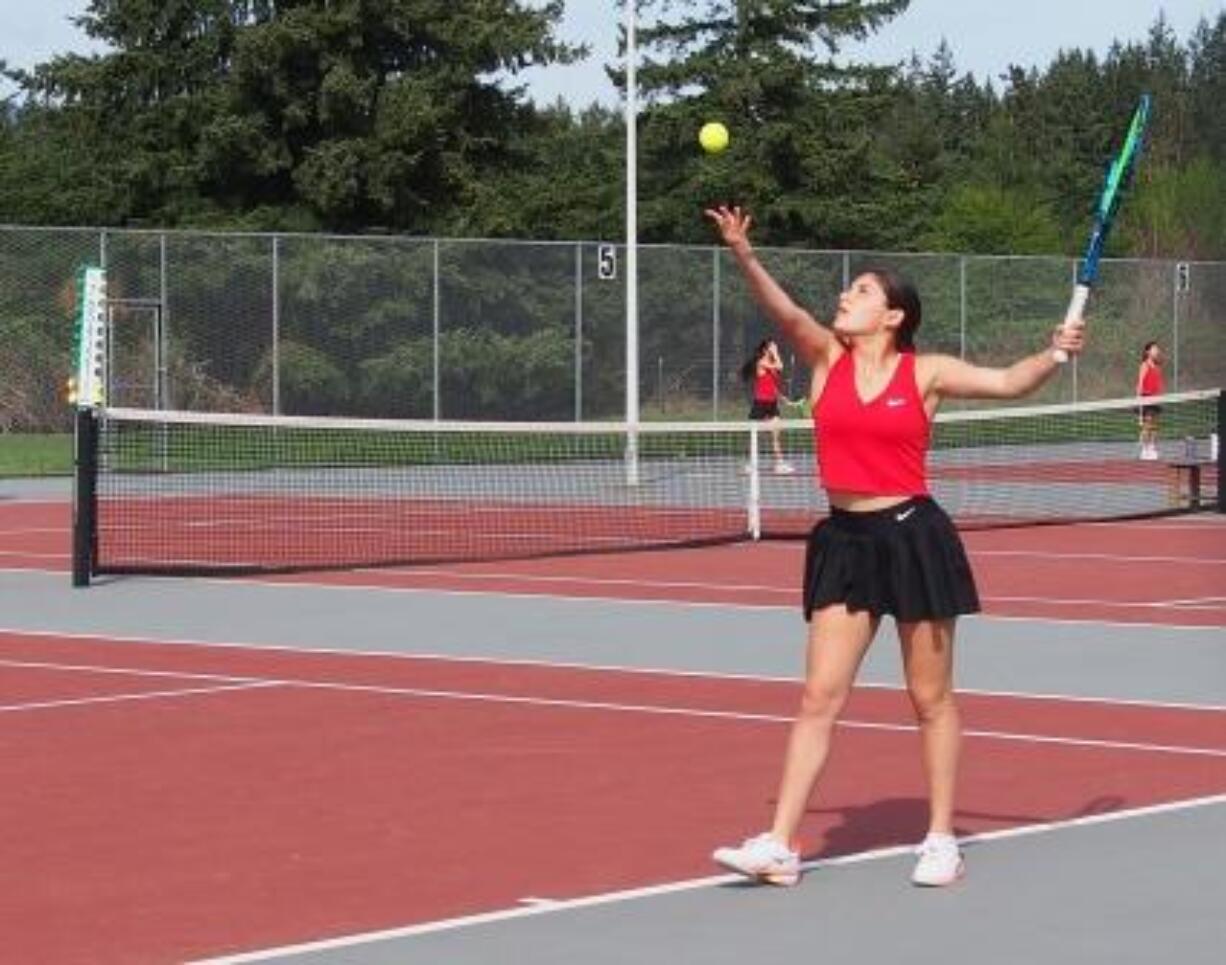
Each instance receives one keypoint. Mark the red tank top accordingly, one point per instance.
(1151, 380)
(766, 386)
(878, 448)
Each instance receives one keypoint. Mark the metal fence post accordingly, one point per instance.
(276, 325)
(438, 406)
(1073, 361)
(578, 331)
(962, 306)
(715, 334)
(161, 394)
(1175, 327)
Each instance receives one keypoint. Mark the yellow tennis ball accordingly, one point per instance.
(713, 137)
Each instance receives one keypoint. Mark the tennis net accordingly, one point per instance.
(179, 492)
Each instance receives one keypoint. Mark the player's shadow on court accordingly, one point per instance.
(864, 827)
(892, 822)
(902, 822)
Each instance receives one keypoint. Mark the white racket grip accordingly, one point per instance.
(1076, 309)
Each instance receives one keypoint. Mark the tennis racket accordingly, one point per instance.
(794, 408)
(1118, 175)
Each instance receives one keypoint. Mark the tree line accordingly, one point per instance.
(406, 116)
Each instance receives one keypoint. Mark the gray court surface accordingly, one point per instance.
(1145, 888)
(1141, 891)
(1113, 661)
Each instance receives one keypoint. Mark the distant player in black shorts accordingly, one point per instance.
(1149, 384)
(765, 369)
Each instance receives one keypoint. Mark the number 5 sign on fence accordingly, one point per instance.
(606, 262)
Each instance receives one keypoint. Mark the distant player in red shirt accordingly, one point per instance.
(887, 548)
(764, 369)
(1149, 383)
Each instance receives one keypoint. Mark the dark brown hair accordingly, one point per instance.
(900, 293)
(750, 368)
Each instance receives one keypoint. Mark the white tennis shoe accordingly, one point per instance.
(763, 858)
(940, 861)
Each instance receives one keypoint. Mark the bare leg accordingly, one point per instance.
(1149, 432)
(928, 660)
(838, 641)
(777, 440)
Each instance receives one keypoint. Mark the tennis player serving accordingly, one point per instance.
(887, 549)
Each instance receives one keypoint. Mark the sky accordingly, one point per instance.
(1024, 32)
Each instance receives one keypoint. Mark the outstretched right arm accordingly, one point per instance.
(813, 341)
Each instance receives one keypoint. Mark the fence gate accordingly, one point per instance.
(136, 343)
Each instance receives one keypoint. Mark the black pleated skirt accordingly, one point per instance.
(906, 561)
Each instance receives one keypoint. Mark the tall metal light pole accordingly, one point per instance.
(632, 255)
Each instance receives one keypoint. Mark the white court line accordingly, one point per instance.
(398, 655)
(790, 592)
(1020, 554)
(667, 711)
(130, 698)
(554, 579)
(1064, 601)
(298, 584)
(673, 711)
(693, 884)
(123, 671)
(1101, 557)
(1203, 601)
(29, 530)
(1058, 556)
(549, 578)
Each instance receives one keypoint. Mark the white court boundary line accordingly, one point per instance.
(293, 582)
(694, 884)
(664, 710)
(533, 663)
(557, 579)
(31, 530)
(131, 698)
(1010, 553)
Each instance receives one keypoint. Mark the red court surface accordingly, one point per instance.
(1163, 571)
(163, 802)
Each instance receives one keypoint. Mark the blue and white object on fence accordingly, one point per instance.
(90, 339)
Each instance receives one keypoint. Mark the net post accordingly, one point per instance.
(91, 382)
(1220, 455)
(84, 496)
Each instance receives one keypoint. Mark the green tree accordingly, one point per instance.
(342, 114)
(1207, 83)
(990, 219)
(1180, 212)
(803, 149)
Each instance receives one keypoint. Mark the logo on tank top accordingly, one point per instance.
(895, 402)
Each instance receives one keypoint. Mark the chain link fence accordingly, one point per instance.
(456, 329)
